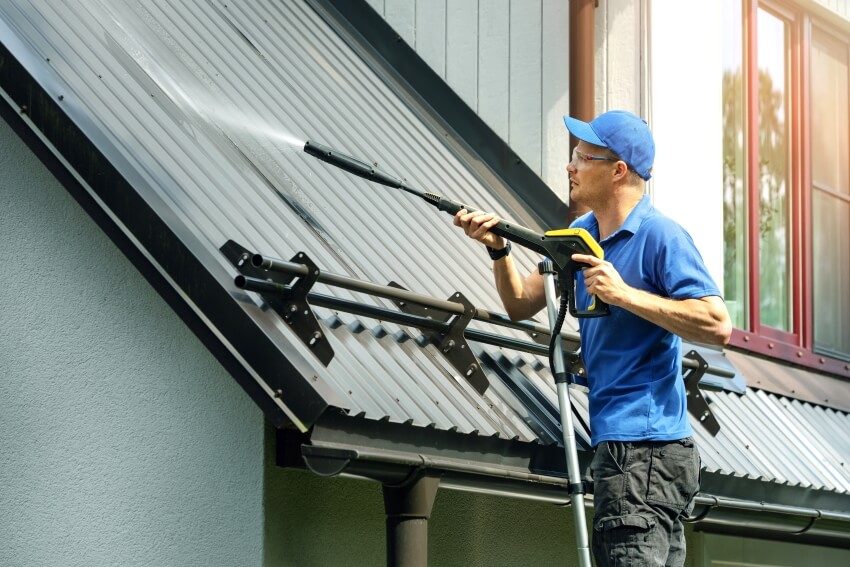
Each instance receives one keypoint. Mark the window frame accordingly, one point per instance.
(796, 346)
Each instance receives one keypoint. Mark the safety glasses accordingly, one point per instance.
(581, 156)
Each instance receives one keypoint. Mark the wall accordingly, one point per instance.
(686, 115)
(508, 60)
(732, 551)
(840, 7)
(122, 440)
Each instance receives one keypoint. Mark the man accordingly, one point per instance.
(646, 466)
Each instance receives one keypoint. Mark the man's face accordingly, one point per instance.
(590, 175)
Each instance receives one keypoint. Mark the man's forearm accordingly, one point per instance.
(521, 297)
(704, 320)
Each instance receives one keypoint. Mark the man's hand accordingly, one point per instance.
(477, 225)
(603, 280)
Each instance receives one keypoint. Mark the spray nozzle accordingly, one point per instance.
(352, 165)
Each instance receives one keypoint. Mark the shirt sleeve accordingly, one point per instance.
(679, 269)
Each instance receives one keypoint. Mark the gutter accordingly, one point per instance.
(712, 513)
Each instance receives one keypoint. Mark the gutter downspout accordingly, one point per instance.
(408, 507)
(582, 62)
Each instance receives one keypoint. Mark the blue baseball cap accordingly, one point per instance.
(624, 133)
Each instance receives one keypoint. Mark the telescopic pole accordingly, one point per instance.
(547, 270)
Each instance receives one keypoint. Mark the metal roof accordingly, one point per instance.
(195, 105)
(778, 439)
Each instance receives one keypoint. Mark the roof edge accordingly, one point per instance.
(533, 462)
(340, 444)
(793, 382)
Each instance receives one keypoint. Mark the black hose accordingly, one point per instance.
(556, 336)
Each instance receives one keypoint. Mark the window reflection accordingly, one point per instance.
(735, 281)
(831, 195)
(774, 179)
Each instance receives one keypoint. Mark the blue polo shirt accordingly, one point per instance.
(634, 367)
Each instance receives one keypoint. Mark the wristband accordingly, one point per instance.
(499, 254)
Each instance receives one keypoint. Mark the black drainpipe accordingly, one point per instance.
(409, 493)
(582, 86)
(408, 507)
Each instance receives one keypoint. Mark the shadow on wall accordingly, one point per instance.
(315, 521)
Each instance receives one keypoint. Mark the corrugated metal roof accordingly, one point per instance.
(778, 439)
(197, 102)
(194, 104)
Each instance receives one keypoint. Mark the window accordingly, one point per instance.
(786, 174)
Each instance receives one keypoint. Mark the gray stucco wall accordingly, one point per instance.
(122, 440)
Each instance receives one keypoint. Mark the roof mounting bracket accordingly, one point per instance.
(697, 404)
(451, 343)
(288, 301)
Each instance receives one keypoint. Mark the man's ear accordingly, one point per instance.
(621, 170)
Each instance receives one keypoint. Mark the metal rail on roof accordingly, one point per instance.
(446, 321)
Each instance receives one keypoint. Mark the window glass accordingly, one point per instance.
(830, 195)
(735, 281)
(830, 131)
(773, 175)
(831, 275)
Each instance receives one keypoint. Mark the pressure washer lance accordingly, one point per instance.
(557, 246)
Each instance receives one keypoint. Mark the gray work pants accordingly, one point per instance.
(641, 492)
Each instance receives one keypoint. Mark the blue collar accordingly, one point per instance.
(632, 222)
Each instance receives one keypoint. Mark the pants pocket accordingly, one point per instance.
(628, 523)
(610, 458)
(609, 480)
(624, 540)
(674, 473)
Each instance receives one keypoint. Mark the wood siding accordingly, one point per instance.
(507, 60)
